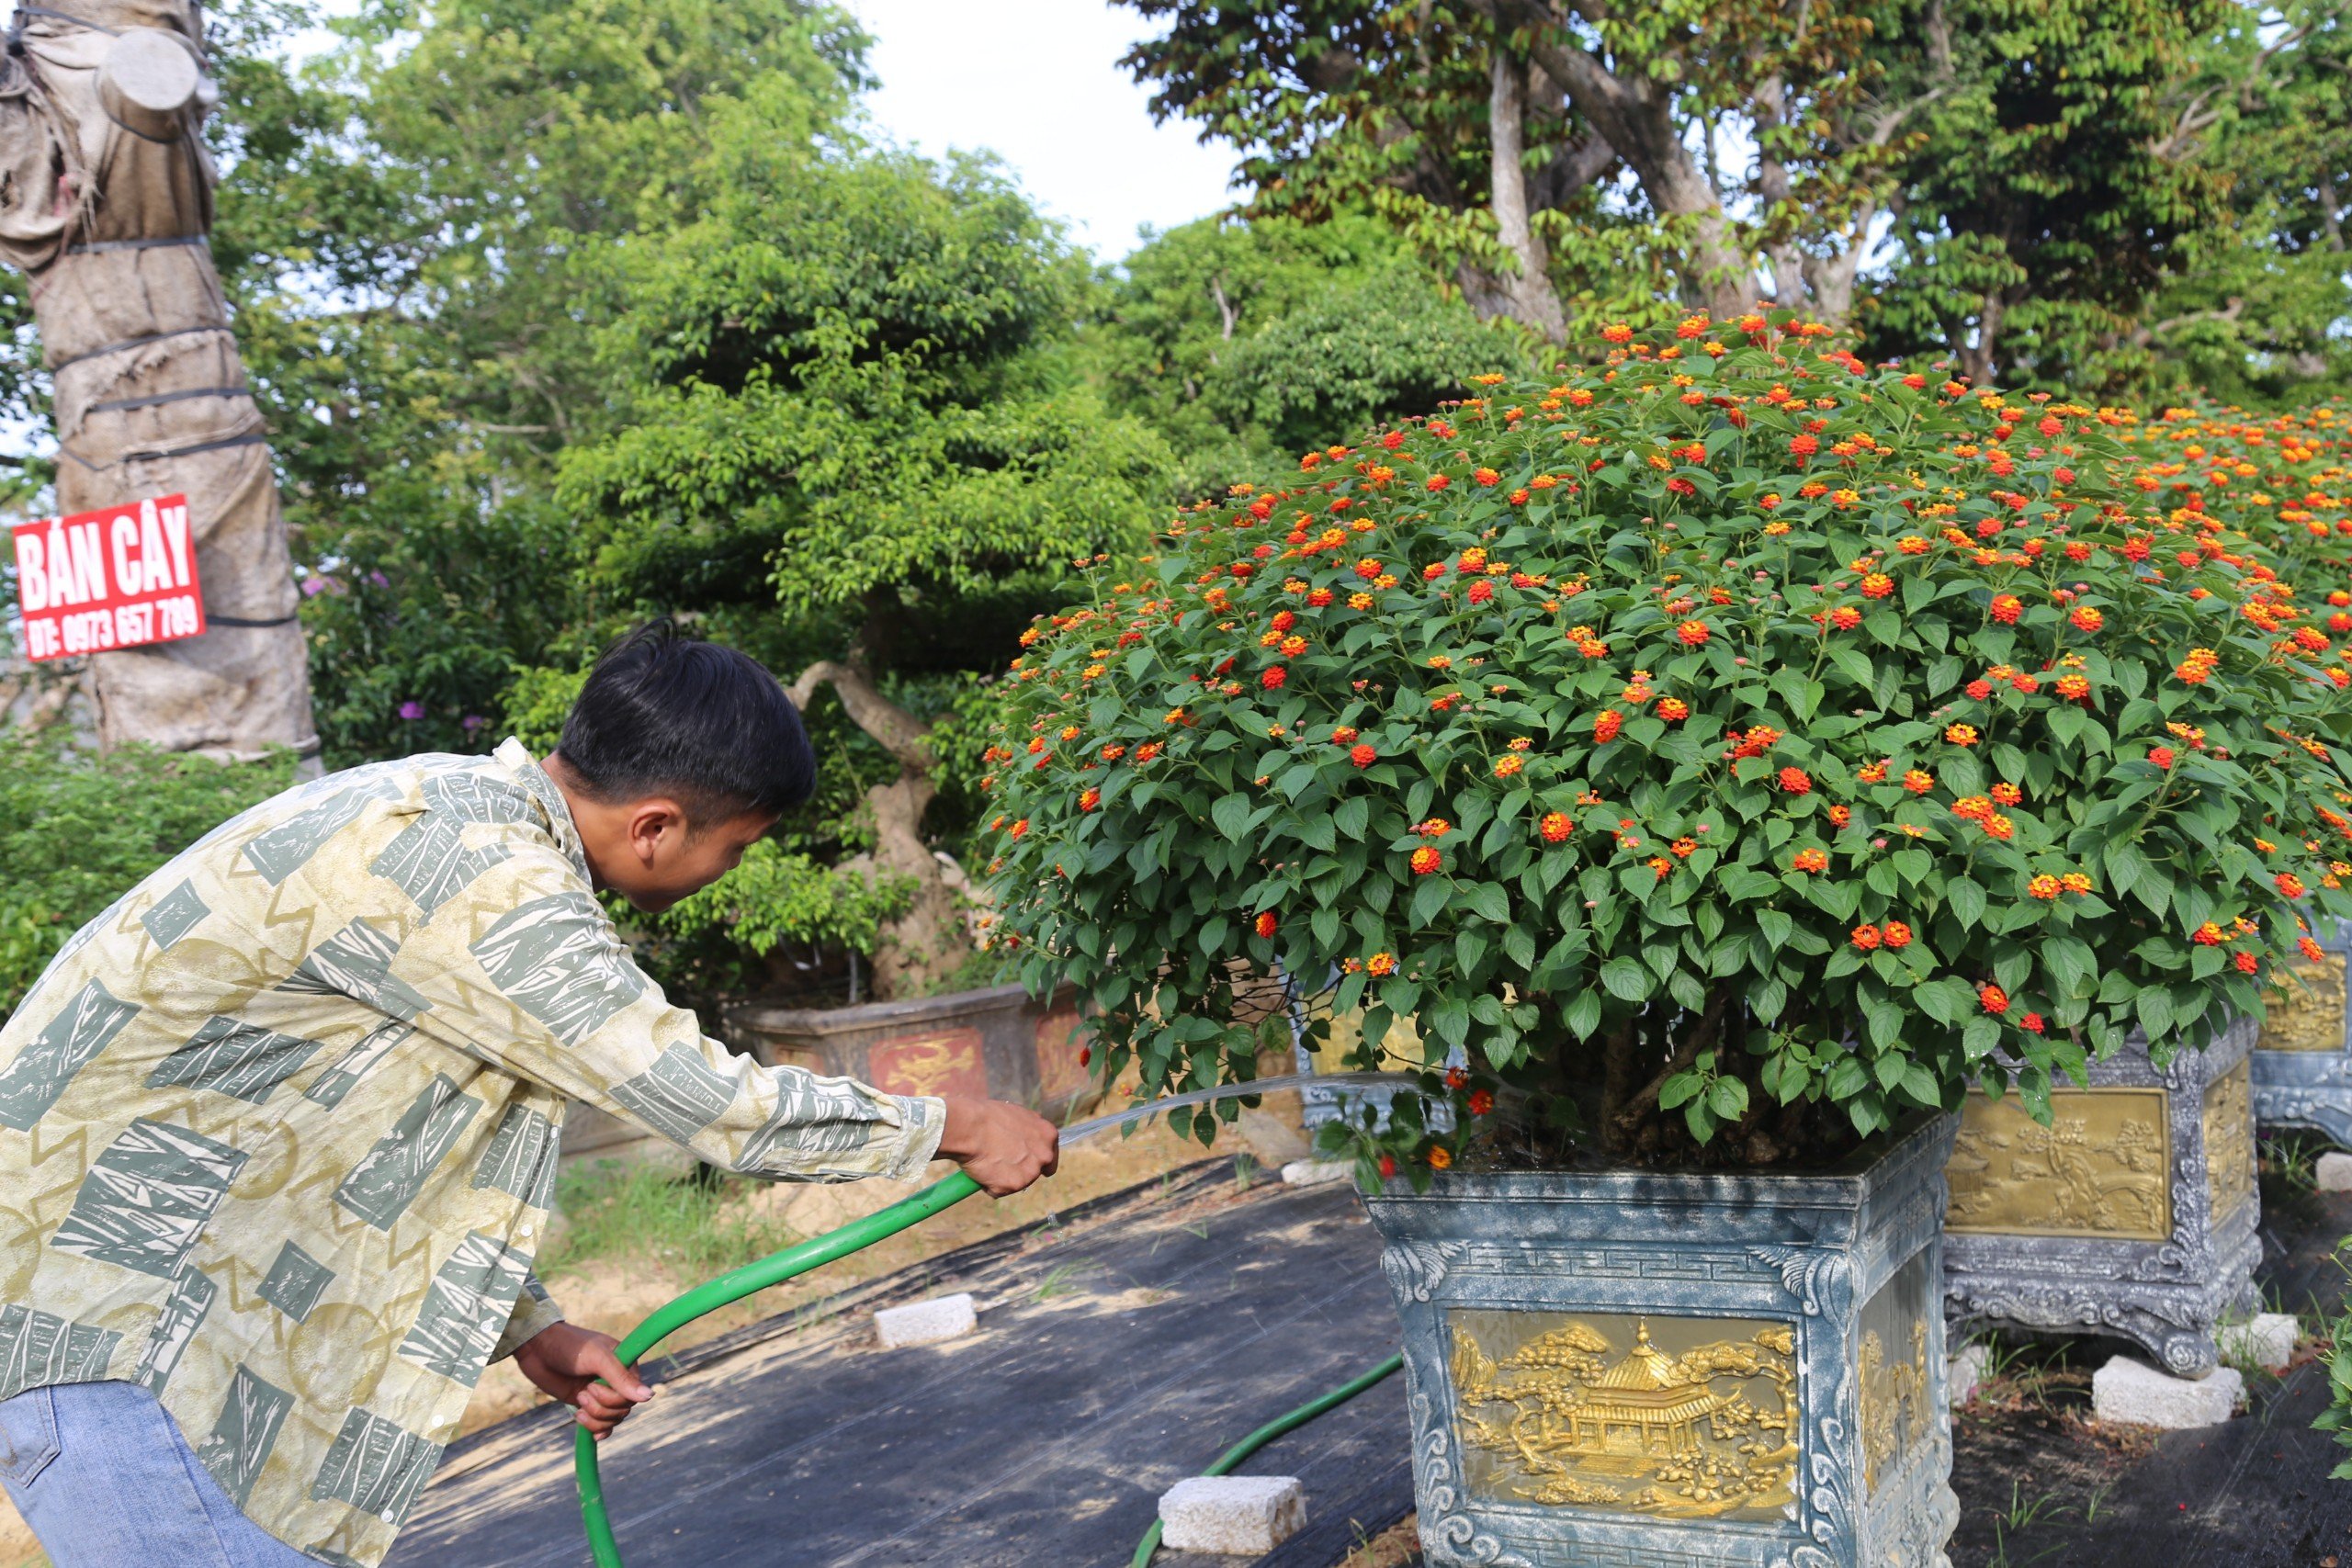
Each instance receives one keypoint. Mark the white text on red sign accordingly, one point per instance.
(114, 579)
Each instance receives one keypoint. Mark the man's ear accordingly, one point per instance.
(652, 819)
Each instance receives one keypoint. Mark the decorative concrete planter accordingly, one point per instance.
(1325, 1102)
(997, 1044)
(2302, 1064)
(1679, 1370)
(2132, 1215)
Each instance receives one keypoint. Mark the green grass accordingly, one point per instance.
(2291, 1160)
(697, 1227)
(1063, 1279)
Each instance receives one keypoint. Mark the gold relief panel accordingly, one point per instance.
(2098, 1169)
(1668, 1417)
(1400, 1049)
(2306, 1012)
(1896, 1414)
(2228, 1139)
(946, 1062)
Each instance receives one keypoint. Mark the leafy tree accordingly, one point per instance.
(1561, 158)
(416, 230)
(2052, 194)
(2259, 309)
(451, 240)
(841, 401)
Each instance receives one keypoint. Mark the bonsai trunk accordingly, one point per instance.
(1649, 1047)
(106, 197)
(927, 943)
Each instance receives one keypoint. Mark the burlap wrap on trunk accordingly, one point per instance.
(110, 225)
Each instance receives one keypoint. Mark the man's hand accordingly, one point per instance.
(1002, 1147)
(567, 1361)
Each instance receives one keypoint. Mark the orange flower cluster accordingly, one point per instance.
(1687, 634)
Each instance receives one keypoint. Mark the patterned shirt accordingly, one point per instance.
(278, 1130)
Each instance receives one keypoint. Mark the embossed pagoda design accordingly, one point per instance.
(2132, 1213)
(1679, 1370)
(1651, 1431)
(2302, 1064)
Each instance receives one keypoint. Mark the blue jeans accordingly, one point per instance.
(102, 1476)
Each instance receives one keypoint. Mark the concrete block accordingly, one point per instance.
(1273, 1138)
(2266, 1341)
(2135, 1393)
(2335, 1172)
(1316, 1172)
(1237, 1515)
(1965, 1373)
(926, 1323)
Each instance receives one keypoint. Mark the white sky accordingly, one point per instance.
(1038, 82)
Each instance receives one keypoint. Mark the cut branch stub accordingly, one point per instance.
(148, 82)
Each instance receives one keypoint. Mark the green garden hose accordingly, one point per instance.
(773, 1270)
(1267, 1434)
(776, 1268)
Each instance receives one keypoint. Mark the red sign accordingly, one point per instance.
(104, 579)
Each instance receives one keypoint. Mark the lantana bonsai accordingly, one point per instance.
(1734, 747)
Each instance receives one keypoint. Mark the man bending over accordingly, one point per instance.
(278, 1130)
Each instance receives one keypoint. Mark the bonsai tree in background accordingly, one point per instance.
(874, 445)
(1737, 747)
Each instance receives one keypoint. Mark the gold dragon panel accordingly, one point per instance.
(2098, 1169)
(1669, 1417)
(2228, 1139)
(1896, 1414)
(2306, 1012)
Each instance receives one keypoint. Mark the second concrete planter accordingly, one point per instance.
(2132, 1215)
(2302, 1064)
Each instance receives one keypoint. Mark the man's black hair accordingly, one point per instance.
(663, 714)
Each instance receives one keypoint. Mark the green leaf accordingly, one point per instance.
(1855, 664)
(1982, 1033)
(1627, 979)
(1966, 899)
(2069, 963)
(1489, 900)
(2125, 866)
(1727, 1098)
(1581, 1018)
(1231, 815)
(1431, 895)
